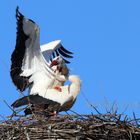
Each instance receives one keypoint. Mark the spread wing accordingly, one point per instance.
(29, 62)
(54, 49)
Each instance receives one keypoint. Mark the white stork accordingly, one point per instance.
(31, 64)
(54, 101)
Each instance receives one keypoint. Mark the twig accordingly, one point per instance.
(135, 119)
(89, 102)
(14, 112)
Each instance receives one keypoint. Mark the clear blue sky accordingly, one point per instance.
(103, 34)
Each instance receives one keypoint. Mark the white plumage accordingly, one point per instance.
(30, 63)
(67, 93)
(64, 98)
(41, 69)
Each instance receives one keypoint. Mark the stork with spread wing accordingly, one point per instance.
(32, 65)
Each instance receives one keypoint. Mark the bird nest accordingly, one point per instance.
(100, 126)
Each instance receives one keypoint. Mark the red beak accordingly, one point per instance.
(54, 63)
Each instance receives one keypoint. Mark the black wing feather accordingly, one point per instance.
(64, 54)
(18, 54)
(57, 53)
(66, 61)
(65, 50)
(53, 55)
(37, 102)
(32, 99)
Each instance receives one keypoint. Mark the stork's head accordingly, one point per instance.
(57, 61)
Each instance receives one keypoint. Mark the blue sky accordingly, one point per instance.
(105, 38)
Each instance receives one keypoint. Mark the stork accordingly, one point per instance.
(54, 101)
(32, 64)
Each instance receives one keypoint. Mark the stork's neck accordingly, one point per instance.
(75, 85)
